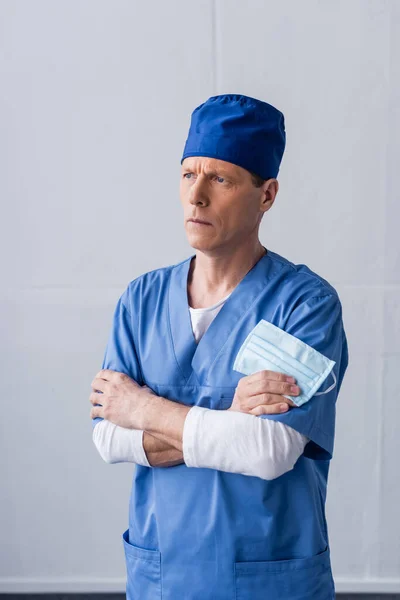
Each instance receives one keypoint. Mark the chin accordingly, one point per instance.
(201, 243)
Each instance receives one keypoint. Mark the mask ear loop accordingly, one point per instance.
(330, 388)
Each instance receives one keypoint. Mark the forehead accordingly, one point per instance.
(204, 163)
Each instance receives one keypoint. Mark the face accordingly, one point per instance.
(223, 195)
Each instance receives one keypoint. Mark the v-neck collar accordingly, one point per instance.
(195, 359)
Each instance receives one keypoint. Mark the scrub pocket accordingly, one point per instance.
(143, 569)
(294, 579)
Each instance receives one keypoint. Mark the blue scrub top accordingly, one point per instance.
(202, 533)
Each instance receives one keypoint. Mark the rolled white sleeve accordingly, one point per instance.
(238, 442)
(117, 444)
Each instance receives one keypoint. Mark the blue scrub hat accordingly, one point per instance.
(239, 129)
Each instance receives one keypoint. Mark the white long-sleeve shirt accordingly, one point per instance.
(224, 440)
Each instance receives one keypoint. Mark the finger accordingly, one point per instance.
(266, 385)
(266, 374)
(262, 399)
(99, 384)
(265, 399)
(94, 398)
(96, 411)
(269, 409)
(289, 401)
(106, 374)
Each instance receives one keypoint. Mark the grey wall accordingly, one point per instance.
(95, 105)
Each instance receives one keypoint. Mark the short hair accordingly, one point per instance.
(257, 180)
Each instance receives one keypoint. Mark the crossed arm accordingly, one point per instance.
(174, 433)
(163, 432)
(161, 453)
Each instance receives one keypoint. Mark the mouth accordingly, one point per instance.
(198, 222)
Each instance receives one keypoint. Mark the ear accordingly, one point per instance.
(270, 189)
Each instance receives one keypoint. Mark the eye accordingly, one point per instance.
(221, 178)
(184, 175)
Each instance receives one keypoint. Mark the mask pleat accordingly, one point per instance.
(270, 349)
(281, 367)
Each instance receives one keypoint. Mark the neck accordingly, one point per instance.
(214, 277)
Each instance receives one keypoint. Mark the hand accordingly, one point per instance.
(261, 393)
(122, 400)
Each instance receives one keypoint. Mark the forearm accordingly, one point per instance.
(117, 444)
(227, 441)
(237, 442)
(221, 440)
(164, 419)
(161, 453)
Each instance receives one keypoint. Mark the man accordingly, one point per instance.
(228, 495)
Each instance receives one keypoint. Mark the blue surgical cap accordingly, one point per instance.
(239, 129)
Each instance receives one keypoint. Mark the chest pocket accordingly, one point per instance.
(214, 397)
(226, 398)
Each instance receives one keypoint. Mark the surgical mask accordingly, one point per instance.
(269, 347)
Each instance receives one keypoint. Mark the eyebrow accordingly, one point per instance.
(216, 172)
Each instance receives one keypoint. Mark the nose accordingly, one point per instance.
(198, 194)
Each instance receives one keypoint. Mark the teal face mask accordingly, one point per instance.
(269, 347)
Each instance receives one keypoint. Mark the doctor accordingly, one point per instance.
(228, 494)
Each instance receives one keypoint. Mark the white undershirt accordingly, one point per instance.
(230, 441)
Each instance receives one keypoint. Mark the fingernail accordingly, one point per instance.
(290, 379)
(283, 406)
(294, 388)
